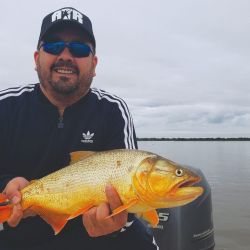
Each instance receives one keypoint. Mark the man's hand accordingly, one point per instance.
(95, 220)
(12, 190)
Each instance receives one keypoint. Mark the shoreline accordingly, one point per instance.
(196, 139)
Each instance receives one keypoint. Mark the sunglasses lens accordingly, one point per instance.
(54, 48)
(76, 49)
(79, 49)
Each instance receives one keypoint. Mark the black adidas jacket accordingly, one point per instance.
(36, 141)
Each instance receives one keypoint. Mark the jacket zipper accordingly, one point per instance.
(60, 123)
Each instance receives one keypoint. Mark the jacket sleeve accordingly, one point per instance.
(4, 176)
(119, 129)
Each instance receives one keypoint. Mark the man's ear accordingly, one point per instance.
(36, 56)
(95, 61)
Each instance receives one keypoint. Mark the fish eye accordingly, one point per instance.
(179, 172)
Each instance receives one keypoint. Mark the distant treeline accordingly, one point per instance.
(195, 139)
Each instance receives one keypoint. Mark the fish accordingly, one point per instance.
(144, 181)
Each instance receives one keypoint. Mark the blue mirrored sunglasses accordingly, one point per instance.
(77, 49)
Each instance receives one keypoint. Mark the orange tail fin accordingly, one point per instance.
(5, 208)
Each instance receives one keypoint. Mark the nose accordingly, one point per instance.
(65, 55)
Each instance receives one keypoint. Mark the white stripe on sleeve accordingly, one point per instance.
(128, 127)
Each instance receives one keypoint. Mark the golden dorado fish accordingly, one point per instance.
(144, 181)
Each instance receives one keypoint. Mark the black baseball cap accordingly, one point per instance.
(67, 15)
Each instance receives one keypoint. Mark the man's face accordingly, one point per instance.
(65, 74)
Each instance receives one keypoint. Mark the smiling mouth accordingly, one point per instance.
(65, 71)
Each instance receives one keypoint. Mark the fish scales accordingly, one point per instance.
(61, 189)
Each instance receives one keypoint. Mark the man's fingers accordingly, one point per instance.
(16, 216)
(17, 212)
(95, 220)
(113, 197)
(89, 219)
(14, 186)
(102, 211)
(115, 202)
(16, 198)
(12, 190)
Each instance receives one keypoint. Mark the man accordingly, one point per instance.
(42, 123)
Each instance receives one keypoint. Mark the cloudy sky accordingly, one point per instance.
(182, 66)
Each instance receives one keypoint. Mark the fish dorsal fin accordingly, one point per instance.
(79, 155)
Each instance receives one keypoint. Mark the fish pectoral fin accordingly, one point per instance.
(56, 220)
(123, 207)
(150, 216)
(79, 155)
(80, 211)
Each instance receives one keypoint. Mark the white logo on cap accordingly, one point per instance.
(67, 14)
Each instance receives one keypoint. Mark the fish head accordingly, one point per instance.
(162, 183)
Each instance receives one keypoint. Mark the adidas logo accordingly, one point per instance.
(87, 137)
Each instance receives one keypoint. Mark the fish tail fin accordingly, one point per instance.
(5, 208)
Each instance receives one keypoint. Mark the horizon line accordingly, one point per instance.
(193, 138)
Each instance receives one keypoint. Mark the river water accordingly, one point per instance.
(226, 165)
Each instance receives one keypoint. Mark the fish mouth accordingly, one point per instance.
(188, 183)
(186, 190)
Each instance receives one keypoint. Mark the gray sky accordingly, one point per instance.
(181, 66)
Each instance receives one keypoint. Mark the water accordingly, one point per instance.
(226, 166)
